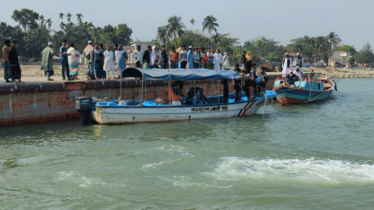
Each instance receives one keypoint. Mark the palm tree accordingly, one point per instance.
(176, 27)
(49, 23)
(62, 16)
(68, 17)
(41, 18)
(163, 34)
(333, 42)
(210, 24)
(62, 25)
(192, 21)
(79, 17)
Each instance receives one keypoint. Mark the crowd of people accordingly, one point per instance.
(99, 63)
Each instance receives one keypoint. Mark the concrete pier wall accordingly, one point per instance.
(23, 103)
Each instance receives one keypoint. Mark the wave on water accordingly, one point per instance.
(175, 149)
(303, 170)
(155, 165)
(76, 179)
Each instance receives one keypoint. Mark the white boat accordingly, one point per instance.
(176, 107)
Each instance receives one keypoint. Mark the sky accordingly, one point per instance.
(280, 20)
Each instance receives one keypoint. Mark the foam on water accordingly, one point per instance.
(154, 165)
(304, 170)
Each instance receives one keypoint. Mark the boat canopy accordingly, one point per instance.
(179, 74)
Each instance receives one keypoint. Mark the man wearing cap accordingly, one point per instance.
(299, 61)
(47, 61)
(65, 71)
(190, 57)
(88, 58)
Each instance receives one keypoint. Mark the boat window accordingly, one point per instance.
(319, 86)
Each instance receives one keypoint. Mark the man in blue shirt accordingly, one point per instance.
(64, 61)
(190, 58)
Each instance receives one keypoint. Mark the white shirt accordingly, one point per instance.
(72, 58)
(217, 58)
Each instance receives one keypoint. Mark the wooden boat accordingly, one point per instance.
(176, 107)
(305, 91)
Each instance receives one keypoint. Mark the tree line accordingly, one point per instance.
(34, 31)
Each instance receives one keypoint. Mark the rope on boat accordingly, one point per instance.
(314, 98)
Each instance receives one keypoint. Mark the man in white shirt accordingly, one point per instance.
(217, 60)
(138, 55)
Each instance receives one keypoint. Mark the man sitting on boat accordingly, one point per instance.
(292, 78)
(298, 72)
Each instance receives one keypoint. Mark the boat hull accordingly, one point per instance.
(137, 114)
(298, 96)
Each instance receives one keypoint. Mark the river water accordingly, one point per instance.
(313, 156)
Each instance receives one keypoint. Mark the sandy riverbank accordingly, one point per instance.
(29, 71)
(343, 72)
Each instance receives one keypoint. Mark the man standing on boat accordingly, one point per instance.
(190, 58)
(299, 61)
(244, 60)
(286, 65)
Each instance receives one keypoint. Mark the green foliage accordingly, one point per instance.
(263, 49)
(365, 55)
(35, 33)
(347, 48)
(26, 18)
(193, 38)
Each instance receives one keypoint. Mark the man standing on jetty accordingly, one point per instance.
(190, 57)
(14, 66)
(88, 58)
(183, 57)
(65, 71)
(47, 61)
(147, 58)
(173, 57)
(121, 58)
(7, 73)
(164, 58)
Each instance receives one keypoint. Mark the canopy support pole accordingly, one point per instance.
(145, 91)
(194, 88)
